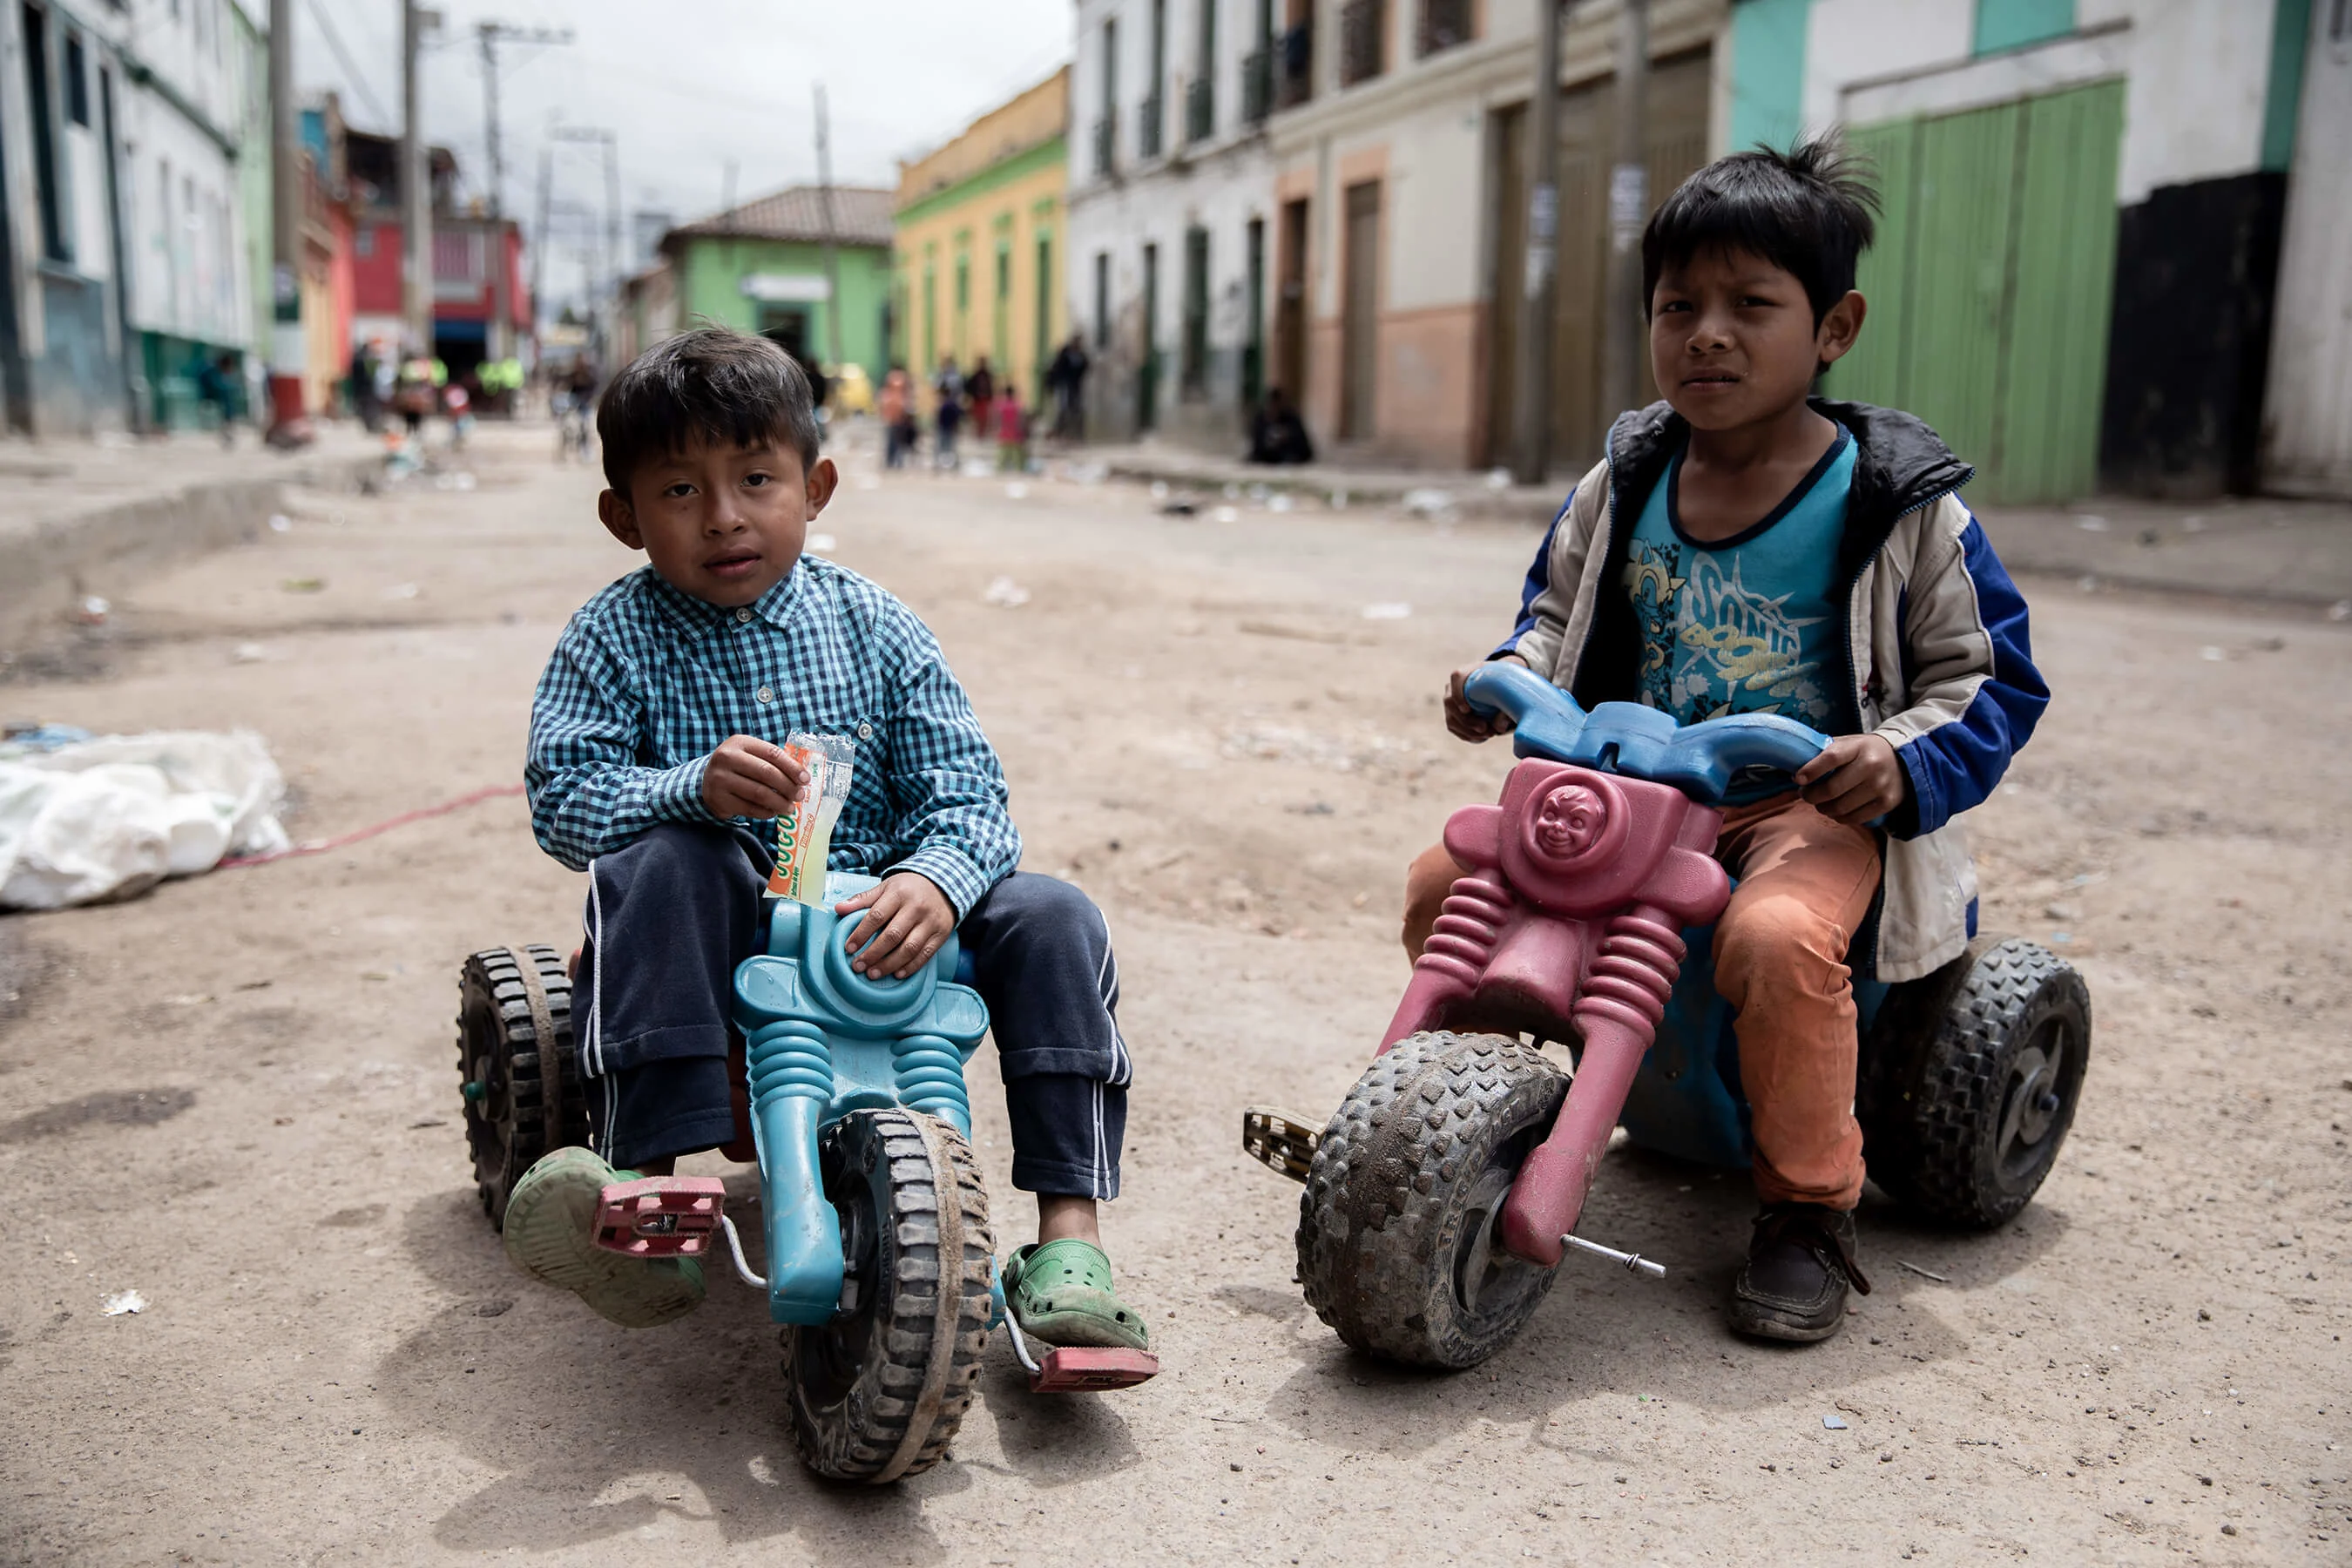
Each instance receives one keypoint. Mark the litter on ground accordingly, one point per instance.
(1005, 594)
(109, 817)
(123, 1302)
(1227, 514)
(822, 541)
(1387, 610)
(1833, 1423)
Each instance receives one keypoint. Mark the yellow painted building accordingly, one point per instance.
(979, 242)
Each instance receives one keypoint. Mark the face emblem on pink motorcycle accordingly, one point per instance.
(1569, 822)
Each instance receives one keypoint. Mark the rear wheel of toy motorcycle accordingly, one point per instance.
(515, 1066)
(1396, 1229)
(878, 1394)
(1972, 1080)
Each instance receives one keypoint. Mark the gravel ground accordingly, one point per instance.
(235, 1096)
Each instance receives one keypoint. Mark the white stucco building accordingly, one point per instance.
(135, 159)
(1170, 204)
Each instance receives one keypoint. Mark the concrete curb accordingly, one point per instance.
(48, 566)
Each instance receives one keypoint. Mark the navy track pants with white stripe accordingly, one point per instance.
(671, 916)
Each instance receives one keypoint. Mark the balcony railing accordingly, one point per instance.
(1151, 116)
(1444, 24)
(1105, 139)
(1294, 77)
(1363, 40)
(1200, 109)
(1257, 86)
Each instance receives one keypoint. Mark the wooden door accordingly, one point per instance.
(1991, 286)
(1360, 312)
(1507, 152)
(1290, 305)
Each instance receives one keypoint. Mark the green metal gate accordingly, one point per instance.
(1991, 284)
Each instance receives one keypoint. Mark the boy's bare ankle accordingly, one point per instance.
(1063, 1219)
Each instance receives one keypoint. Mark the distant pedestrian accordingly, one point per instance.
(1065, 380)
(220, 386)
(980, 392)
(897, 407)
(1012, 431)
(1278, 435)
(367, 402)
(948, 387)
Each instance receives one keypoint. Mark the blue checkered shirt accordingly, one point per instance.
(647, 682)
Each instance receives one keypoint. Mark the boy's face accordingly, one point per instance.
(1733, 340)
(723, 523)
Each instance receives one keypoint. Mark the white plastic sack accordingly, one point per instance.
(111, 817)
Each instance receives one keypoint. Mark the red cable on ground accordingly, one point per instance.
(405, 818)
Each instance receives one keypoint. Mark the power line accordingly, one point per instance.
(343, 57)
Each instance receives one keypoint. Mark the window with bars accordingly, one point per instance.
(1192, 368)
(1363, 40)
(1444, 24)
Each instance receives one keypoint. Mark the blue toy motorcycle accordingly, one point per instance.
(881, 1263)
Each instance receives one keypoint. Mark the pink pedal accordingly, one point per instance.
(1073, 1369)
(660, 1216)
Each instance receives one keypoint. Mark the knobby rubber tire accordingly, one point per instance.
(860, 1387)
(1395, 1227)
(1941, 1078)
(524, 1078)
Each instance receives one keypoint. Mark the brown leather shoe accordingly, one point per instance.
(1800, 1266)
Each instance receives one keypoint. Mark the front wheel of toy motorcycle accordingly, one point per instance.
(878, 1394)
(1973, 1077)
(1396, 1229)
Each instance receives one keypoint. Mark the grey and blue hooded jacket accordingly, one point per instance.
(1936, 657)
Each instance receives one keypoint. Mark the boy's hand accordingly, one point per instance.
(747, 776)
(1855, 779)
(911, 919)
(1466, 722)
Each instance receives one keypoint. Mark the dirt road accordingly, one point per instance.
(236, 1095)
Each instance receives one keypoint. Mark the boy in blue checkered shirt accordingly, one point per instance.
(655, 767)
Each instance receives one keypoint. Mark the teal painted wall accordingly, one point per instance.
(2290, 36)
(2013, 24)
(710, 276)
(1768, 72)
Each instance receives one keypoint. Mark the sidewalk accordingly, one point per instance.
(2296, 552)
(83, 518)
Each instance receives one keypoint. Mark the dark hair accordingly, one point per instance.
(710, 383)
(1811, 211)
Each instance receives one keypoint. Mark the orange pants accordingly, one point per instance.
(1805, 885)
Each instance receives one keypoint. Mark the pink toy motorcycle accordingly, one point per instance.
(1443, 1194)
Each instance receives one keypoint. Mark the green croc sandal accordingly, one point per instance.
(550, 1217)
(1060, 1293)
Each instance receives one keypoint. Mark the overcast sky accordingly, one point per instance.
(688, 85)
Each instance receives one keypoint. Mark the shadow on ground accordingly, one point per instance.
(1604, 1334)
(600, 1430)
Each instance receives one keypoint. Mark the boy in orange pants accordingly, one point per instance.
(1748, 548)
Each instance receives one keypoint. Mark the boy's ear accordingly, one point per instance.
(1840, 328)
(620, 519)
(824, 478)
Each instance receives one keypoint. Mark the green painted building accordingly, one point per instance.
(2075, 268)
(763, 268)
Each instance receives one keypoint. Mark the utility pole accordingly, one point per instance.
(1531, 449)
(538, 241)
(1629, 209)
(612, 257)
(415, 186)
(288, 352)
(832, 255)
(489, 36)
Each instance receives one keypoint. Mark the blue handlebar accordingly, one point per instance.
(1701, 760)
